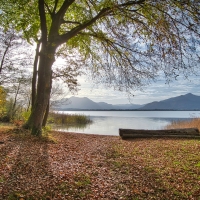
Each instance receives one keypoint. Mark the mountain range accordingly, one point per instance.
(84, 103)
(183, 102)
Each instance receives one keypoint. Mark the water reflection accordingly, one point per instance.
(110, 125)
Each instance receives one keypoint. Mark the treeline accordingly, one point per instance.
(16, 68)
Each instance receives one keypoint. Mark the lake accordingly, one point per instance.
(109, 122)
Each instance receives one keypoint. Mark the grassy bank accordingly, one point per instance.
(193, 123)
(79, 166)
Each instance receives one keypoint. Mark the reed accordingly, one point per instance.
(68, 119)
(192, 123)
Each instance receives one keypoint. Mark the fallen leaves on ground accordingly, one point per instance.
(80, 166)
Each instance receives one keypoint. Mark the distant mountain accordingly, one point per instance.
(127, 106)
(104, 105)
(183, 102)
(77, 103)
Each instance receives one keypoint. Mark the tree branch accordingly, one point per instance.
(55, 6)
(48, 8)
(70, 22)
(103, 12)
(43, 24)
(64, 8)
(5, 52)
(130, 3)
(177, 21)
(76, 30)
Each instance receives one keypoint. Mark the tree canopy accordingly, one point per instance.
(115, 37)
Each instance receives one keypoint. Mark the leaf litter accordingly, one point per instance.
(80, 166)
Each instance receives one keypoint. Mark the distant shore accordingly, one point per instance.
(123, 110)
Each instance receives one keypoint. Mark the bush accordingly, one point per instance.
(16, 116)
(25, 115)
(2, 102)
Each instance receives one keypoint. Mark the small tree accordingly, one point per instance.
(19, 96)
(15, 70)
(15, 56)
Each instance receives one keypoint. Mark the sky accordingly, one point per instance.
(157, 91)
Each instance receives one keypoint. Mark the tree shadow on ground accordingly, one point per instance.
(25, 168)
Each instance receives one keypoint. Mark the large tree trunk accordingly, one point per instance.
(47, 108)
(43, 90)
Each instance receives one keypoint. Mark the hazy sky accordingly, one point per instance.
(155, 92)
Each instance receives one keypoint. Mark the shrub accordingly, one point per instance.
(2, 102)
(25, 115)
(67, 119)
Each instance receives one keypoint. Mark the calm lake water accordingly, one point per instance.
(109, 122)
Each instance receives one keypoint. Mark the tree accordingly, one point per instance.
(19, 96)
(15, 68)
(15, 56)
(15, 77)
(124, 43)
